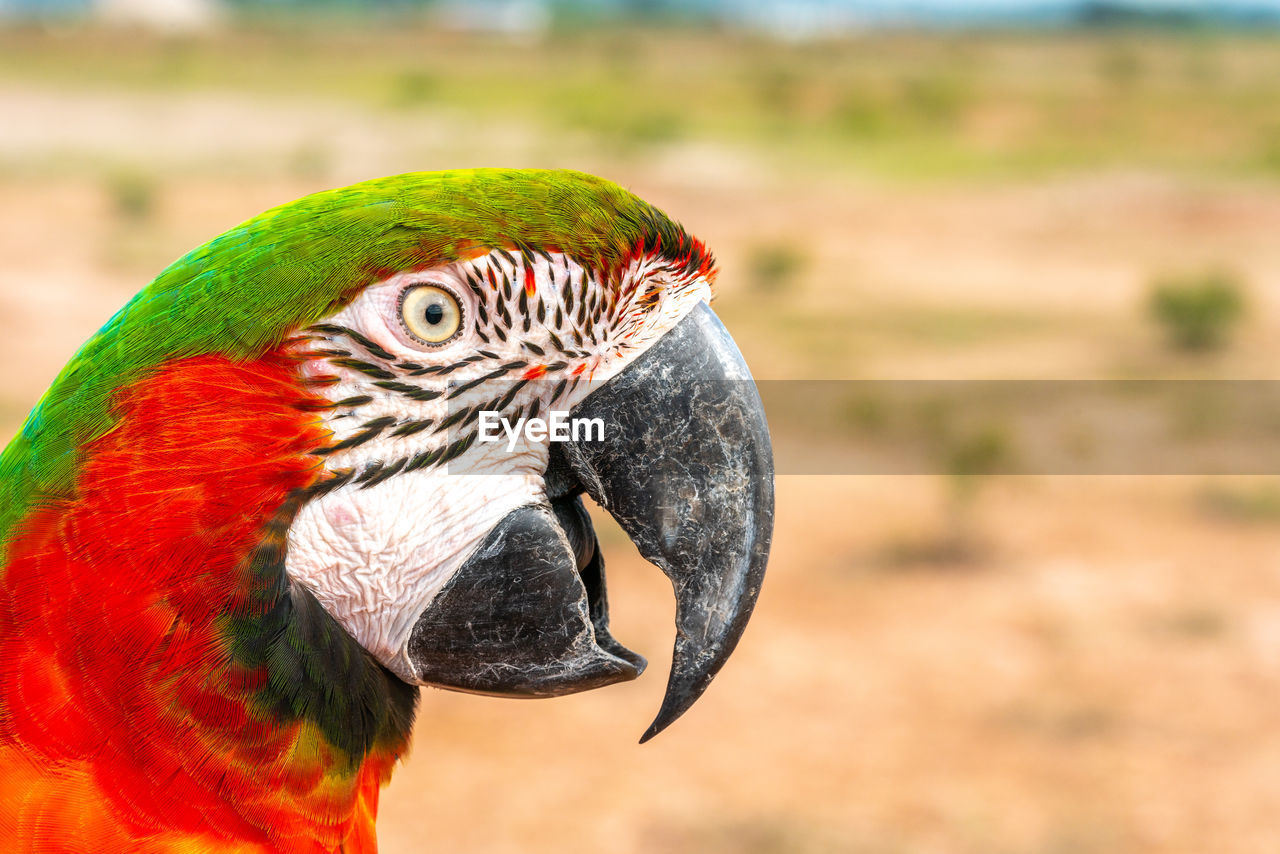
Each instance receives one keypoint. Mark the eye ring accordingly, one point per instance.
(431, 314)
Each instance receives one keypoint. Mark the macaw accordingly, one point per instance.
(257, 511)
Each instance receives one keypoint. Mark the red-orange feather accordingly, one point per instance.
(125, 722)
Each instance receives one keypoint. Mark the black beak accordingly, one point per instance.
(686, 468)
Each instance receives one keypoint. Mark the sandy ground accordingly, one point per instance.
(1101, 676)
(1103, 681)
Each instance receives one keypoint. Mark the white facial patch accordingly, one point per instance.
(413, 493)
(375, 558)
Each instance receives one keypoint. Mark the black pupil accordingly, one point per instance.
(435, 314)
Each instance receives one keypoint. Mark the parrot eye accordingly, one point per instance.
(430, 313)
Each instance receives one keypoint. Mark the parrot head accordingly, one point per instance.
(412, 324)
(456, 549)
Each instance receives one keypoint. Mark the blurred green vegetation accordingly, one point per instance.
(897, 104)
(969, 456)
(1199, 311)
(132, 195)
(1252, 501)
(772, 266)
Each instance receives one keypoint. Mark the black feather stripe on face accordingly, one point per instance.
(564, 302)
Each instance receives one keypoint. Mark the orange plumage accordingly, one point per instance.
(126, 721)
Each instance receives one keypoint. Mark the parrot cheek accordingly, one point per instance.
(375, 558)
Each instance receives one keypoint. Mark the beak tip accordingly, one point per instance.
(664, 719)
(682, 693)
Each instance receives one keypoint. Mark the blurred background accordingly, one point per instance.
(957, 661)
